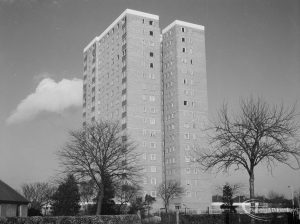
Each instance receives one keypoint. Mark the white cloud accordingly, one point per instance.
(49, 96)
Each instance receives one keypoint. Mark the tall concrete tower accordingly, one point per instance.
(122, 83)
(161, 102)
(185, 110)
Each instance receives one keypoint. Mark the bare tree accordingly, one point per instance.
(259, 134)
(126, 194)
(39, 194)
(100, 152)
(169, 191)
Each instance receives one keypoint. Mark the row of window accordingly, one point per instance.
(189, 170)
(189, 159)
(170, 116)
(152, 156)
(152, 180)
(152, 110)
(151, 22)
(170, 160)
(189, 103)
(188, 136)
(151, 133)
(151, 145)
(153, 169)
(151, 98)
(170, 149)
(152, 121)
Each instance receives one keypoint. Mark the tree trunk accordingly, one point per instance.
(251, 185)
(100, 200)
(251, 189)
(166, 207)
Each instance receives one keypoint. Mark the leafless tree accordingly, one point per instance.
(260, 133)
(169, 191)
(100, 152)
(39, 194)
(125, 194)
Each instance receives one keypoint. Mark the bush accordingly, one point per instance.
(112, 219)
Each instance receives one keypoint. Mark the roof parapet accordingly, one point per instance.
(127, 11)
(182, 23)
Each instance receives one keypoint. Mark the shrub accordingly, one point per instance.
(112, 219)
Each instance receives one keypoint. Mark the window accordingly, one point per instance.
(185, 103)
(152, 133)
(152, 98)
(153, 180)
(191, 61)
(151, 76)
(151, 65)
(144, 156)
(144, 132)
(151, 33)
(182, 39)
(182, 29)
(150, 22)
(153, 157)
(152, 120)
(152, 145)
(153, 169)
(151, 54)
(183, 49)
(187, 136)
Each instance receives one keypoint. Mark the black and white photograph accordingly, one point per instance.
(150, 111)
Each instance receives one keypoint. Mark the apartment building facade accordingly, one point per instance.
(185, 110)
(126, 78)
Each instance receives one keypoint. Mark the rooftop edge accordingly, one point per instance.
(182, 23)
(127, 11)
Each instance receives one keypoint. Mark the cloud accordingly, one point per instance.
(49, 96)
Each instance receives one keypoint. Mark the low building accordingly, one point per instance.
(12, 203)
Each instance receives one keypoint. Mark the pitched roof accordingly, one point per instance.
(9, 195)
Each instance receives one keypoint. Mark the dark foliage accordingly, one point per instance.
(66, 198)
(34, 212)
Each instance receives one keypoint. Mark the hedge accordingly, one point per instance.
(275, 218)
(103, 219)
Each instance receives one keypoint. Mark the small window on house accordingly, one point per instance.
(182, 29)
(151, 33)
(151, 22)
(151, 54)
(182, 39)
(185, 103)
(183, 50)
(191, 61)
(151, 65)
(143, 20)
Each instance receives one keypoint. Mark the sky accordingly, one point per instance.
(252, 49)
